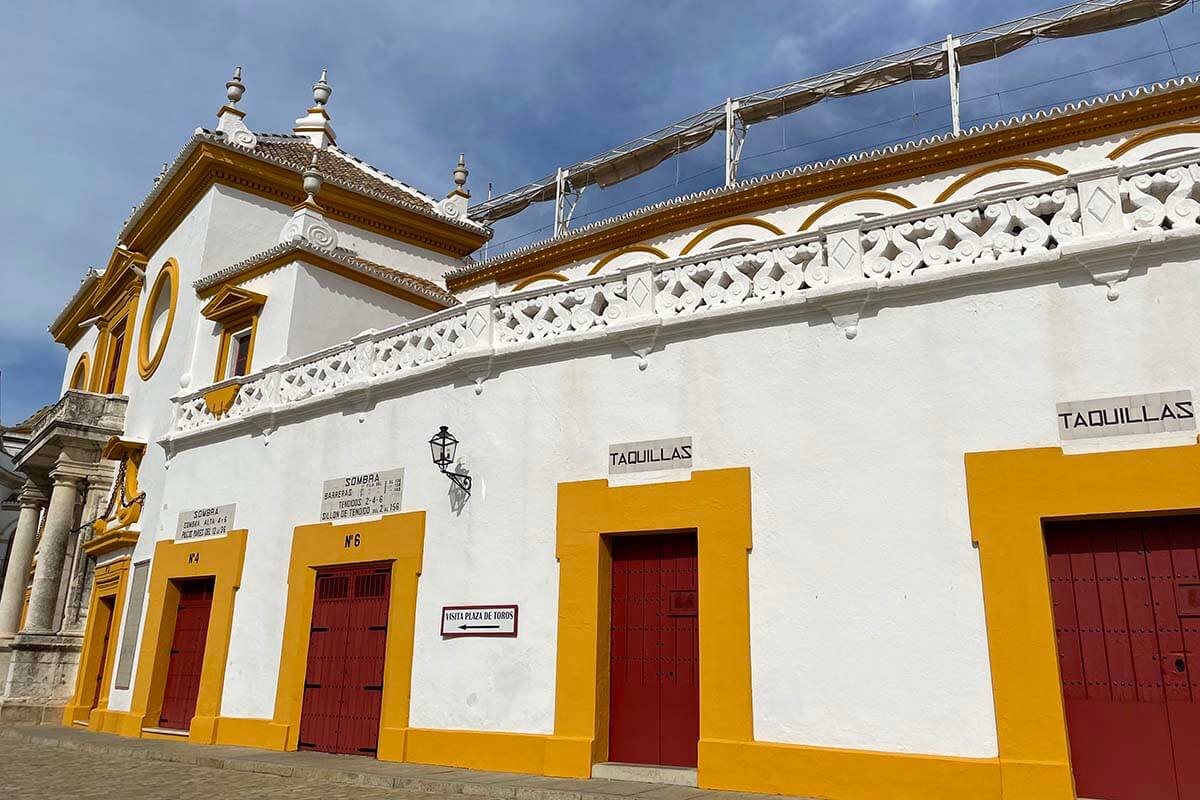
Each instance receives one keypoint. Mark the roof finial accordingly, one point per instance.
(455, 204)
(234, 88)
(230, 119)
(307, 222)
(321, 89)
(312, 179)
(460, 172)
(315, 125)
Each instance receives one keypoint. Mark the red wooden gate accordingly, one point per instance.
(654, 716)
(343, 685)
(187, 654)
(1126, 598)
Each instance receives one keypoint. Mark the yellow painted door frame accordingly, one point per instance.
(1011, 493)
(108, 581)
(398, 539)
(220, 558)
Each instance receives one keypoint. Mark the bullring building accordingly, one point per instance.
(870, 478)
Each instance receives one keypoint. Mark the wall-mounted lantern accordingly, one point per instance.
(443, 446)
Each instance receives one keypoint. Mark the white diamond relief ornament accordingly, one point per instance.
(1101, 205)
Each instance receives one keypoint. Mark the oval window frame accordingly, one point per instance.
(147, 364)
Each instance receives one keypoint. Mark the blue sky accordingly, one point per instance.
(99, 95)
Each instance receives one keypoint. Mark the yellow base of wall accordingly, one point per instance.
(244, 732)
(836, 774)
(487, 750)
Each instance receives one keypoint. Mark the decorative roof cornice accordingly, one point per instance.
(805, 181)
(59, 327)
(202, 135)
(420, 287)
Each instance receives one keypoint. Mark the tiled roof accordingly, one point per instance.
(86, 283)
(296, 152)
(404, 280)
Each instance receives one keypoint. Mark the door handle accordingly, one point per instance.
(1180, 665)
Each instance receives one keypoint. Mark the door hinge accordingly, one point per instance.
(374, 687)
(318, 630)
(377, 627)
(312, 686)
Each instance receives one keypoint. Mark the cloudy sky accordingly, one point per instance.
(99, 95)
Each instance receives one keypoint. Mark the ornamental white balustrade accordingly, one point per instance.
(836, 266)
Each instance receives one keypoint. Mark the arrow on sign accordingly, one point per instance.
(471, 627)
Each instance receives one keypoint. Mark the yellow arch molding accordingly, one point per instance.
(148, 363)
(887, 197)
(1010, 493)
(1149, 136)
(545, 276)
(729, 223)
(79, 375)
(1000, 166)
(637, 248)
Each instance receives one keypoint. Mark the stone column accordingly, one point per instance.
(60, 517)
(24, 540)
(95, 497)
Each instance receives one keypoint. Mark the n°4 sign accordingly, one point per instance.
(479, 621)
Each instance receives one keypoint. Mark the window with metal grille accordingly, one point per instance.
(333, 587)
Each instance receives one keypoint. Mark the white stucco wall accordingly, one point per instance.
(867, 620)
(329, 308)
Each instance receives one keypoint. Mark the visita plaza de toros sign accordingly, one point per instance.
(479, 621)
(204, 523)
(1160, 412)
(362, 495)
(657, 454)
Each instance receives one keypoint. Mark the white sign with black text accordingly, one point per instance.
(479, 621)
(204, 523)
(657, 454)
(1121, 416)
(362, 495)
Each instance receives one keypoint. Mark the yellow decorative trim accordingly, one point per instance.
(398, 539)
(1149, 136)
(123, 311)
(147, 364)
(1000, 166)
(545, 276)
(887, 197)
(502, 752)
(232, 302)
(637, 248)
(210, 164)
(108, 542)
(1010, 494)
(79, 375)
(847, 774)
(219, 401)
(289, 257)
(108, 582)
(220, 558)
(127, 506)
(729, 223)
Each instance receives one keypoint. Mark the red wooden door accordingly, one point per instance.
(1126, 596)
(187, 654)
(343, 684)
(654, 716)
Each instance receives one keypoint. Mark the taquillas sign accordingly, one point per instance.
(650, 456)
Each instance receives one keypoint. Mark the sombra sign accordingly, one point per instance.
(1121, 416)
(362, 495)
(479, 621)
(204, 523)
(650, 456)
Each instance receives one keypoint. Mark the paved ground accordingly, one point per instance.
(34, 771)
(50, 761)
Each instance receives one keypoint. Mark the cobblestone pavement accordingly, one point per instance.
(32, 771)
